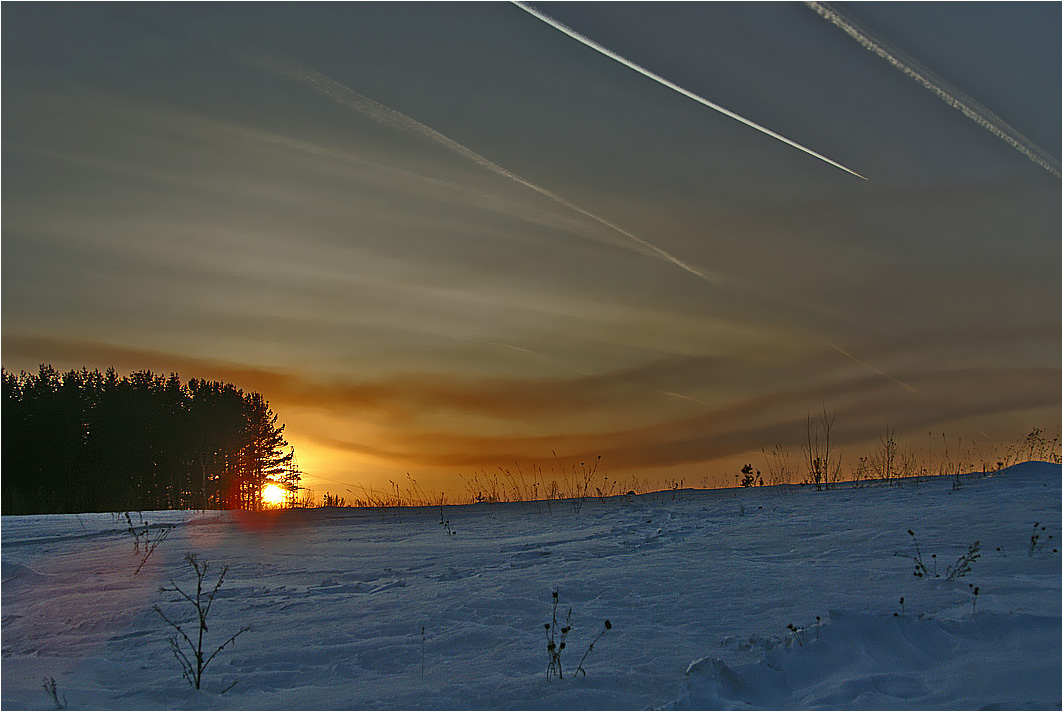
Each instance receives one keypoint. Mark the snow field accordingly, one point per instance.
(705, 580)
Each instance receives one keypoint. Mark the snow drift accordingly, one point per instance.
(783, 597)
(866, 661)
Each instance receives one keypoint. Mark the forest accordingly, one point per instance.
(86, 441)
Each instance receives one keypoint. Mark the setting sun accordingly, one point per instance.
(274, 495)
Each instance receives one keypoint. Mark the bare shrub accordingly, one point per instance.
(777, 463)
(884, 459)
(188, 651)
(960, 568)
(307, 499)
(821, 461)
(556, 640)
(145, 538)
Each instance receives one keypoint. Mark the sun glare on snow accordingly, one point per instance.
(273, 495)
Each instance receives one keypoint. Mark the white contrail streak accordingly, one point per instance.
(675, 87)
(387, 116)
(945, 91)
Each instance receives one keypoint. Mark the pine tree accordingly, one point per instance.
(86, 441)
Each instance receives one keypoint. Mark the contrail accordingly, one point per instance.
(671, 85)
(945, 91)
(387, 116)
(868, 366)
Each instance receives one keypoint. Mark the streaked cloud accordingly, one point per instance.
(396, 119)
(451, 423)
(866, 404)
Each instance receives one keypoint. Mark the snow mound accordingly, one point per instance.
(864, 661)
(15, 571)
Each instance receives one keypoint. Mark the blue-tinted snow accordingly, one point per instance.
(700, 587)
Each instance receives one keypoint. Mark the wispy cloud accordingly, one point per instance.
(609, 410)
(531, 10)
(400, 398)
(385, 115)
(929, 80)
(330, 88)
(862, 404)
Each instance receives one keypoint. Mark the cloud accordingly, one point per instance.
(863, 405)
(387, 116)
(330, 88)
(439, 425)
(400, 398)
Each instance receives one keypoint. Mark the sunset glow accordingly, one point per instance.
(459, 240)
(371, 355)
(274, 495)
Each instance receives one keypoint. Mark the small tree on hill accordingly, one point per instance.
(751, 477)
(884, 461)
(822, 463)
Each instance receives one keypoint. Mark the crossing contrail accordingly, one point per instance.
(945, 91)
(387, 116)
(671, 85)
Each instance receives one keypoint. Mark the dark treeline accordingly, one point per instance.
(86, 441)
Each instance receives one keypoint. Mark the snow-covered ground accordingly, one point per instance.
(773, 597)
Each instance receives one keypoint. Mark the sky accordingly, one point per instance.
(443, 239)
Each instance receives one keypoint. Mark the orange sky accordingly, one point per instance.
(444, 239)
(352, 436)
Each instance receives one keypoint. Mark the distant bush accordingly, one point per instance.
(749, 479)
(891, 462)
(823, 466)
(777, 464)
(332, 500)
(1037, 447)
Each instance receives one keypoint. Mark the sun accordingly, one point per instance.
(274, 495)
